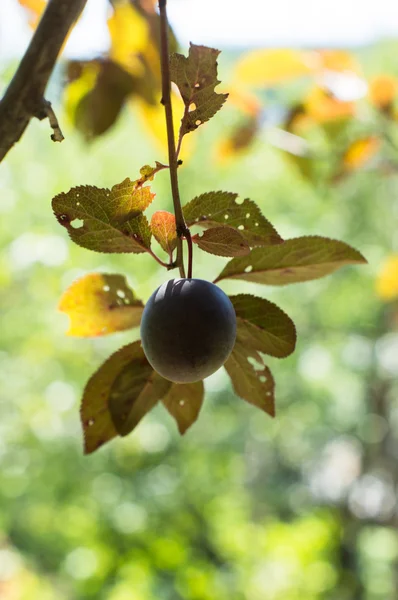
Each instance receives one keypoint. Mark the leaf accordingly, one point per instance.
(135, 390)
(256, 386)
(35, 9)
(95, 416)
(263, 326)
(100, 304)
(360, 152)
(96, 94)
(298, 259)
(269, 67)
(383, 91)
(222, 241)
(196, 78)
(184, 401)
(148, 173)
(322, 106)
(213, 209)
(163, 227)
(111, 219)
(387, 280)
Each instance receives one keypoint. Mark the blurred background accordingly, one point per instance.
(243, 507)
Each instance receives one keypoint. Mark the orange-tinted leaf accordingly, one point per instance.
(222, 241)
(387, 280)
(184, 401)
(196, 78)
(135, 389)
(360, 152)
(256, 386)
(338, 60)
(323, 106)
(100, 304)
(163, 226)
(213, 209)
(106, 220)
(298, 259)
(383, 90)
(269, 67)
(35, 9)
(262, 326)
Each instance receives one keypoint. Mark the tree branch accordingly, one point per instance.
(24, 97)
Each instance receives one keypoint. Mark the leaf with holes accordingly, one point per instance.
(263, 326)
(106, 220)
(184, 401)
(135, 390)
(163, 227)
(100, 304)
(213, 209)
(95, 416)
(222, 241)
(298, 259)
(256, 386)
(196, 78)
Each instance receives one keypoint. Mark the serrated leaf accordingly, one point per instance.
(95, 416)
(213, 209)
(256, 386)
(298, 259)
(135, 390)
(184, 401)
(111, 220)
(222, 241)
(263, 326)
(100, 304)
(196, 78)
(163, 227)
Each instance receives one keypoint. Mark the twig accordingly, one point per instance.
(24, 97)
(47, 111)
(181, 226)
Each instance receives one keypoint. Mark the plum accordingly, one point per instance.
(188, 329)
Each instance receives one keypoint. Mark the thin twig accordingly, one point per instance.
(48, 112)
(169, 265)
(24, 97)
(181, 227)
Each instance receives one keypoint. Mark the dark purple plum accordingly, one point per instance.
(188, 329)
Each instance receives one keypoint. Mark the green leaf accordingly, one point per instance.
(106, 220)
(263, 326)
(223, 241)
(95, 416)
(184, 401)
(163, 227)
(135, 390)
(255, 385)
(213, 209)
(100, 304)
(298, 259)
(196, 78)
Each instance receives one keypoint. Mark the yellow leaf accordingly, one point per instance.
(35, 9)
(323, 107)
(360, 152)
(152, 118)
(383, 89)
(100, 304)
(130, 35)
(270, 67)
(387, 281)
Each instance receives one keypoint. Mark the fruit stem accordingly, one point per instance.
(181, 226)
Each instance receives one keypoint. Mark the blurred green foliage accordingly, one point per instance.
(243, 507)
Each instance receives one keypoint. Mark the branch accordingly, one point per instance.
(24, 97)
(181, 226)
